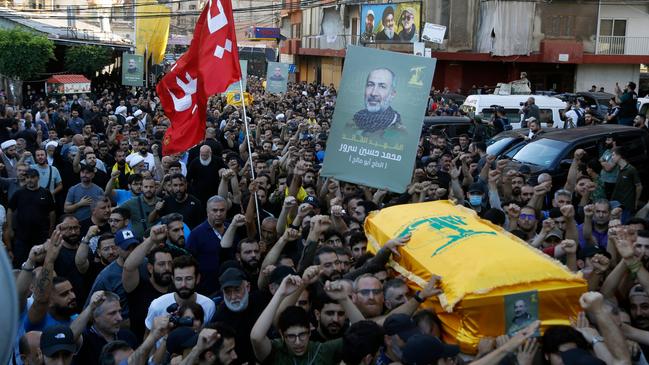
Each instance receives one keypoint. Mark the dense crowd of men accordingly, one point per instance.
(123, 256)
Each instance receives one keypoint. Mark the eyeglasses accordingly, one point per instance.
(302, 336)
(367, 292)
(527, 217)
(114, 220)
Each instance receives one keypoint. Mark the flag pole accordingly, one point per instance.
(252, 167)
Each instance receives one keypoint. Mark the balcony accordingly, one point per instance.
(621, 45)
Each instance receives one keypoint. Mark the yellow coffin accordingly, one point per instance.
(480, 264)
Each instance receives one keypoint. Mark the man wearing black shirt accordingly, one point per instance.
(32, 208)
(99, 217)
(140, 293)
(203, 174)
(179, 201)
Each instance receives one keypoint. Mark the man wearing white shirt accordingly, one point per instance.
(572, 115)
(185, 280)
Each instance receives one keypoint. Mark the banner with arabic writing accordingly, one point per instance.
(378, 117)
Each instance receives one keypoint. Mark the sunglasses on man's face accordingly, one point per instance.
(527, 217)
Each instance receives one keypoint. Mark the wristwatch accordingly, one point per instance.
(596, 340)
(24, 267)
(418, 297)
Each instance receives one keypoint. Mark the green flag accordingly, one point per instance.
(378, 118)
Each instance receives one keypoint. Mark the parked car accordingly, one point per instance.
(451, 127)
(597, 102)
(549, 107)
(553, 151)
(643, 106)
(503, 141)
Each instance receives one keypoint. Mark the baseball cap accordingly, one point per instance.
(426, 349)
(530, 119)
(180, 339)
(31, 172)
(232, 277)
(476, 188)
(579, 356)
(124, 238)
(402, 325)
(56, 339)
(87, 168)
(555, 232)
(312, 200)
(279, 273)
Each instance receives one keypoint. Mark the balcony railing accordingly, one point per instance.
(619, 45)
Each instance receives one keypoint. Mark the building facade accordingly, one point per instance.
(562, 45)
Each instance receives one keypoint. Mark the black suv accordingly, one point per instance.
(553, 151)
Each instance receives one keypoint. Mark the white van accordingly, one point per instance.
(549, 107)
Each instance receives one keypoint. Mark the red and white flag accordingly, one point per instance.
(207, 68)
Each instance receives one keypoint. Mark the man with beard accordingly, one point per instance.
(106, 327)
(81, 195)
(240, 309)
(527, 221)
(65, 263)
(110, 279)
(203, 174)
(517, 183)
(180, 202)
(387, 19)
(639, 312)
(143, 151)
(120, 196)
(9, 157)
(594, 230)
(50, 178)
(330, 268)
(331, 317)
(30, 216)
(175, 234)
(90, 159)
(378, 117)
(55, 302)
(140, 291)
(610, 170)
(185, 279)
(90, 263)
(141, 206)
(121, 181)
(249, 257)
(211, 241)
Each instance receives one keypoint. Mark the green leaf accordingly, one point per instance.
(87, 59)
(24, 54)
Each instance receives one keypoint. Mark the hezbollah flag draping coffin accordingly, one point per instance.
(481, 265)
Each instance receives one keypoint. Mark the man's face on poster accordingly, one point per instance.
(379, 90)
(131, 63)
(520, 308)
(408, 20)
(278, 72)
(388, 22)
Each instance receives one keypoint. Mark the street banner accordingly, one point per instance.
(276, 77)
(132, 70)
(394, 22)
(493, 283)
(378, 117)
(152, 29)
(243, 64)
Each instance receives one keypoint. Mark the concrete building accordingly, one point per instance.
(562, 45)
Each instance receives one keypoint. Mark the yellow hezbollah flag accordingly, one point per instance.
(152, 29)
(482, 268)
(234, 98)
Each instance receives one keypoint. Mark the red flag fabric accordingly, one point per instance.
(208, 67)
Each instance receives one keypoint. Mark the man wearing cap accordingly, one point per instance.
(240, 309)
(30, 216)
(475, 198)
(110, 278)
(58, 345)
(142, 119)
(399, 328)
(214, 345)
(9, 157)
(81, 195)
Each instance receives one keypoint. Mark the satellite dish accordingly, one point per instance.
(9, 305)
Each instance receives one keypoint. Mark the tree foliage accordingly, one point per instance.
(24, 54)
(87, 59)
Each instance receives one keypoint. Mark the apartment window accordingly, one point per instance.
(612, 27)
(612, 34)
(561, 26)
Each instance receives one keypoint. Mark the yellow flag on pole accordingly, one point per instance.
(152, 29)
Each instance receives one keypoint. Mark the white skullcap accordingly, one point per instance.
(120, 110)
(135, 160)
(137, 113)
(280, 116)
(51, 144)
(8, 144)
(128, 119)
